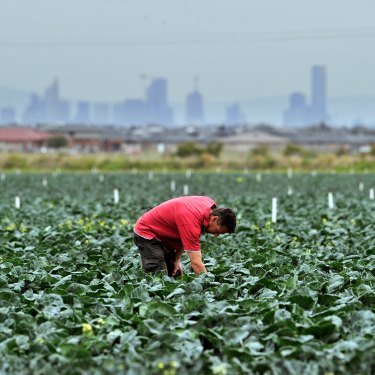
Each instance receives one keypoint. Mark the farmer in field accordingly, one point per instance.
(164, 232)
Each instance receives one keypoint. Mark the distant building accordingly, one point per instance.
(234, 116)
(195, 108)
(52, 102)
(7, 116)
(22, 139)
(47, 109)
(318, 111)
(83, 113)
(56, 109)
(157, 109)
(297, 113)
(34, 112)
(135, 111)
(90, 138)
(100, 113)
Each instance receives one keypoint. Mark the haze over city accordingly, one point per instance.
(255, 54)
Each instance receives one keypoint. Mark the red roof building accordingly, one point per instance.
(22, 138)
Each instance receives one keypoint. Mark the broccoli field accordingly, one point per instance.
(296, 296)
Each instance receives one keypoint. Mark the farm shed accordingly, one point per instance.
(22, 139)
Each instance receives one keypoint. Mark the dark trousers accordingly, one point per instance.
(154, 255)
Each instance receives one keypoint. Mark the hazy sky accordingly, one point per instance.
(110, 49)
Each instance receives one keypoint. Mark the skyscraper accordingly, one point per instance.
(318, 111)
(297, 113)
(301, 114)
(101, 113)
(157, 108)
(7, 115)
(234, 116)
(35, 111)
(195, 108)
(52, 102)
(83, 113)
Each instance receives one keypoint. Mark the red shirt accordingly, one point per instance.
(177, 223)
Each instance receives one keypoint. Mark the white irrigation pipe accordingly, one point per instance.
(274, 210)
(116, 196)
(17, 202)
(330, 201)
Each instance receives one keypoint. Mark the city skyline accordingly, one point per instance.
(132, 110)
(104, 50)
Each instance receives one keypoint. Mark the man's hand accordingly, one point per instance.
(196, 262)
(177, 268)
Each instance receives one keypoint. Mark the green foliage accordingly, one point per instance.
(261, 150)
(192, 149)
(58, 141)
(14, 161)
(293, 149)
(188, 149)
(214, 148)
(295, 296)
(341, 151)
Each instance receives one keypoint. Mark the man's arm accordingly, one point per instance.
(196, 262)
(179, 254)
(177, 268)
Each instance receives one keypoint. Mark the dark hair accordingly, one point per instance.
(227, 218)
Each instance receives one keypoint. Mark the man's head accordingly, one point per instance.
(222, 220)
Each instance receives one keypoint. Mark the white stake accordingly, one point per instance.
(313, 173)
(274, 210)
(186, 189)
(150, 175)
(290, 190)
(330, 201)
(17, 202)
(188, 173)
(259, 177)
(173, 185)
(45, 182)
(101, 178)
(371, 193)
(361, 186)
(290, 172)
(2, 177)
(116, 196)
